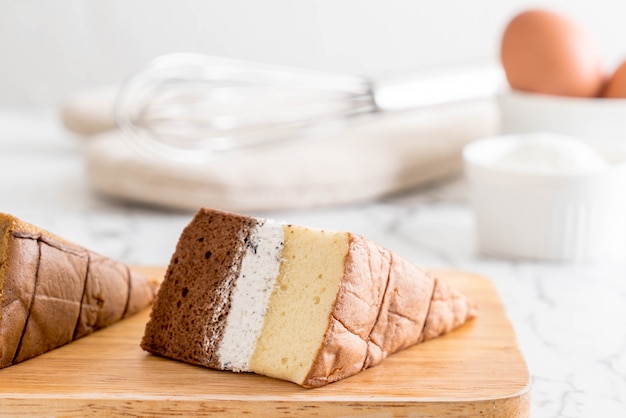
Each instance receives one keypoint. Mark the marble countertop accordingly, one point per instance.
(570, 319)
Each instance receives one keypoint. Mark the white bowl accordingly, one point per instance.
(581, 117)
(526, 214)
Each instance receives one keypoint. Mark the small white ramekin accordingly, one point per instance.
(577, 216)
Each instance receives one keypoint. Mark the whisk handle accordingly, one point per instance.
(470, 83)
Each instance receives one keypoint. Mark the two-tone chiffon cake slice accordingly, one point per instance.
(301, 304)
(53, 292)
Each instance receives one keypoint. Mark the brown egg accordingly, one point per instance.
(543, 52)
(615, 87)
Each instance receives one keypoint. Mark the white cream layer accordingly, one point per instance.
(259, 269)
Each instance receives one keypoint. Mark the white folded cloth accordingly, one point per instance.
(374, 156)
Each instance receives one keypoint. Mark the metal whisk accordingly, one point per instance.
(192, 106)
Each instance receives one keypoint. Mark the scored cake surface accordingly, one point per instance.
(302, 304)
(53, 292)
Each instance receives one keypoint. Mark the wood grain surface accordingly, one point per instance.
(475, 371)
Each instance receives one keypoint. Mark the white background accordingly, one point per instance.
(49, 49)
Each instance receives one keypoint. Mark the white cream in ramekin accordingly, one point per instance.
(548, 196)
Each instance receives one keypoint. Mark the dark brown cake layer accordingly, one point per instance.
(189, 315)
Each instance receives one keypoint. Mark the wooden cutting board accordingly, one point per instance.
(477, 370)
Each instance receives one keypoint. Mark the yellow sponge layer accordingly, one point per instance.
(300, 305)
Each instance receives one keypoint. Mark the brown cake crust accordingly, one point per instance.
(384, 305)
(203, 269)
(53, 292)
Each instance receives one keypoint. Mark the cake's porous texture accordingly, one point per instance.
(189, 316)
(53, 292)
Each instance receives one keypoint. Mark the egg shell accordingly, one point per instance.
(616, 85)
(543, 52)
